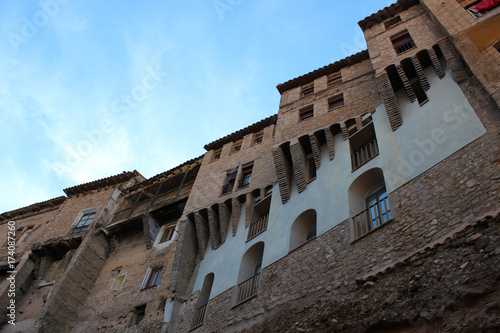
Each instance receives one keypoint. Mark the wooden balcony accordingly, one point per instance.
(248, 289)
(363, 155)
(257, 227)
(372, 217)
(199, 316)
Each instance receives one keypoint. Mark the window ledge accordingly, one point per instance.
(147, 288)
(335, 108)
(371, 231)
(303, 244)
(248, 240)
(407, 51)
(359, 166)
(424, 102)
(195, 327)
(244, 301)
(311, 180)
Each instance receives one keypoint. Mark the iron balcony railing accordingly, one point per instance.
(248, 288)
(257, 227)
(405, 47)
(372, 217)
(365, 154)
(199, 316)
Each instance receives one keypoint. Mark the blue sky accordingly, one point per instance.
(92, 88)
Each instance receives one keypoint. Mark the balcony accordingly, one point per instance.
(199, 316)
(405, 47)
(372, 217)
(248, 289)
(363, 155)
(257, 227)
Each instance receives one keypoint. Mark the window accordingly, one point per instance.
(167, 234)
(237, 146)
(27, 235)
(368, 202)
(201, 305)
(117, 284)
(334, 78)
(249, 275)
(393, 21)
(377, 205)
(230, 179)
(246, 175)
(86, 219)
(303, 229)
(259, 218)
(258, 137)
(307, 89)
(402, 42)
(363, 144)
(335, 102)
(153, 277)
(306, 113)
(139, 313)
(310, 168)
(217, 154)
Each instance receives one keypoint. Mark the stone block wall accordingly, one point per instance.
(68, 294)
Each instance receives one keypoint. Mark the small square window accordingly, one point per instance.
(402, 42)
(307, 89)
(258, 137)
(167, 234)
(393, 21)
(237, 145)
(336, 102)
(154, 277)
(334, 78)
(217, 154)
(306, 113)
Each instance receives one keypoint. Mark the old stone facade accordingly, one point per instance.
(368, 203)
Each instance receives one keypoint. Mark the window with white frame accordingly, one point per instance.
(86, 218)
(152, 277)
(118, 283)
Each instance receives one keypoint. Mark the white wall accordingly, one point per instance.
(429, 134)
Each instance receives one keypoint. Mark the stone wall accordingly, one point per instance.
(64, 302)
(329, 285)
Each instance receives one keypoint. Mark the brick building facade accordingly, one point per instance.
(368, 203)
